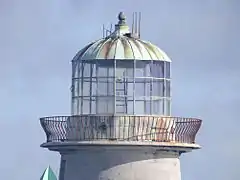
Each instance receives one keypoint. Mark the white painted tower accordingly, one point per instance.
(120, 127)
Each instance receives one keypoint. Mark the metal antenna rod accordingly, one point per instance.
(133, 23)
(111, 28)
(139, 25)
(136, 22)
(103, 31)
(106, 33)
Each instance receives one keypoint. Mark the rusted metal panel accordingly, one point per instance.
(111, 51)
(104, 49)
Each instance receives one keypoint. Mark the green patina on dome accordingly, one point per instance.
(121, 44)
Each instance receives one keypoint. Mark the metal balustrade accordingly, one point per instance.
(120, 128)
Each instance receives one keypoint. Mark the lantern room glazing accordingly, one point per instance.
(121, 74)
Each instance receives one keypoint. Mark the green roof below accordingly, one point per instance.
(48, 174)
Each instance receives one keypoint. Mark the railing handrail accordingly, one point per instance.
(117, 115)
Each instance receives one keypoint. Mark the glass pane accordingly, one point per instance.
(93, 107)
(142, 87)
(105, 105)
(76, 87)
(158, 85)
(148, 107)
(86, 69)
(86, 87)
(130, 107)
(139, 89)
(105, 68)
(94, 67)
(120, 110)
(76, 69)
(167, 74)
(148, 87)
(121, 104)
(124, 87)
(124, 68)
(105, 87)
(120, 89)
(139, 108)
(85, 107)
(130, 89)
(157, 107)
(158, 69)
(143, 69)
(167, 107)
(168, 89)
(75, 110)
(124, 105)
(94, 86)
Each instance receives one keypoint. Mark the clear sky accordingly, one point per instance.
(39, 38)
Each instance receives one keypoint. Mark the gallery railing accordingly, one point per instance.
(120, 128)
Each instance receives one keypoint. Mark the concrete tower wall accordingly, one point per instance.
(120, 163)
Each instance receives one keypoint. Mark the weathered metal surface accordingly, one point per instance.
(121, 44)
(120, 128)
(120, 49)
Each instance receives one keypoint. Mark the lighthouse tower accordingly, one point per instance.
(120, 127)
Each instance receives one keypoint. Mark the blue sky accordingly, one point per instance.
(39, 38)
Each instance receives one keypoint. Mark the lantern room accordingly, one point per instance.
(121, 74)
